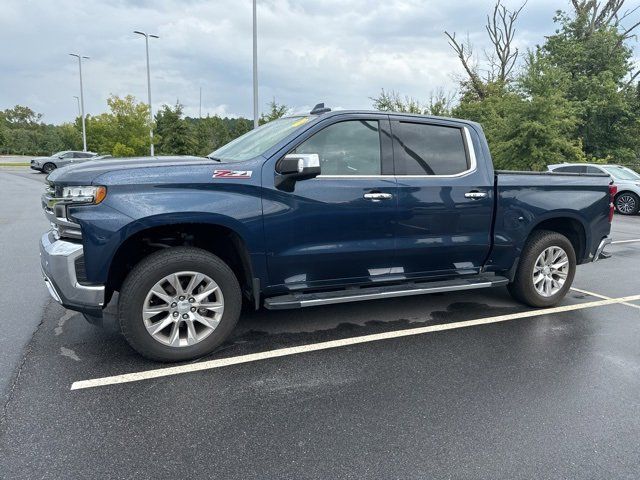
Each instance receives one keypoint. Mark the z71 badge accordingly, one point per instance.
(232, 173)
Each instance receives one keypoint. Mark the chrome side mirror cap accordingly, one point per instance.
(295, 167)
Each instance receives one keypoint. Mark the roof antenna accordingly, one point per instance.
(319, 108)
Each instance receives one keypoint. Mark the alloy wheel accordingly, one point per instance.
(183, 308)
(626, 204)
(550, 271)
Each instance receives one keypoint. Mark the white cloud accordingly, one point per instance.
(334, 51)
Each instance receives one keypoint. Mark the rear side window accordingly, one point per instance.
(422, 149)
(572, 169)
(591, 169)
(346, 148)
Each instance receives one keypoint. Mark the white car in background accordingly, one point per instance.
(627, 201)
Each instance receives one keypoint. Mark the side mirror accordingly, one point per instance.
(295, 167)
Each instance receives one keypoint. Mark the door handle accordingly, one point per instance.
(475, 194)
(377, 196)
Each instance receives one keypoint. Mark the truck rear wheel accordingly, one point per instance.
(545, 270)
(179, 304)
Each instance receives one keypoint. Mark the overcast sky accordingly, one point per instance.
(337, 51)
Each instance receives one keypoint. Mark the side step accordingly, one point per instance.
(299, 300)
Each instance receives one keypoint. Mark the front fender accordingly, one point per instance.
(105, 227)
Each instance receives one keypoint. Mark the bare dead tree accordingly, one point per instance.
(606, 14)
(464, 51)
(501, 30)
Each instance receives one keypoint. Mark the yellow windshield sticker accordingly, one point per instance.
(302, 121)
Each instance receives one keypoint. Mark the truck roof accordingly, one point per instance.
(379, 112)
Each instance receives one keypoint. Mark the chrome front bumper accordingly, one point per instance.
(57, 259)
(600, 253)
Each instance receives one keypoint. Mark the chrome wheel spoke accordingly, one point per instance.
(214, 307)
(195, 280)
(160, 292)
(160, 325)
(206, 321)
(192, 337)
(174, 336)
(174, 281)
(560, 264)
(150, 312)
(208, 290)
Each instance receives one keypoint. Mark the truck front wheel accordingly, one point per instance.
(179, 304)
(545, 270)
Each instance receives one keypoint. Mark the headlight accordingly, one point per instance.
(84, 194)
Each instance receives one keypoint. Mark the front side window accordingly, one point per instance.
(351, 147)
(422, 149)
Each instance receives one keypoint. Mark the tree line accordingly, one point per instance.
(123, 131)
(574, 98)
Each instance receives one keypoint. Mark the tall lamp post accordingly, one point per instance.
(255, 65)
(84, 129)
(78, 100)
(146, 40)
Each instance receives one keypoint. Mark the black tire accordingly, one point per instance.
(151, 270)
(522, 287)
(48, 168)
(627, 203)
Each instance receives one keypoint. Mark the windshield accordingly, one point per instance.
(257, 141)
(622, 173)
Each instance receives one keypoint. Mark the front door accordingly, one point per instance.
(445, 199)
(337, 228)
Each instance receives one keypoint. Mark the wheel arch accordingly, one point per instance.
(571, 226)
(216, 237)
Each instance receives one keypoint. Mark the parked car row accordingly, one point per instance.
(62, 159)
(627, 201)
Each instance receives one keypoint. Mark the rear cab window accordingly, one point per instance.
(428, 149)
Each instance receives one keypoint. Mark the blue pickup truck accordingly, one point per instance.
(329, 207)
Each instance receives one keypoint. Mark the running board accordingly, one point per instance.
(299, 300)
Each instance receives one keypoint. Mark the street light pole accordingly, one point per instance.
(255, 65)
(146, 40)
(84, 128)
(78, 99)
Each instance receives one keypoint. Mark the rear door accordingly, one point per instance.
(445, 198)
(337, 228)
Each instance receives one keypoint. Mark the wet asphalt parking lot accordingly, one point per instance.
(518, 393)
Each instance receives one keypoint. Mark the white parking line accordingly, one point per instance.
(282, 352)
(635, 240)
(597, 295)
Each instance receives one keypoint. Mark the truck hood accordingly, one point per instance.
(84, 173)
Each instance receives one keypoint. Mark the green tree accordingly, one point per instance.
(175, 135)
(127, 125)
(275, 111)
(439, 103)
(591, 46)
